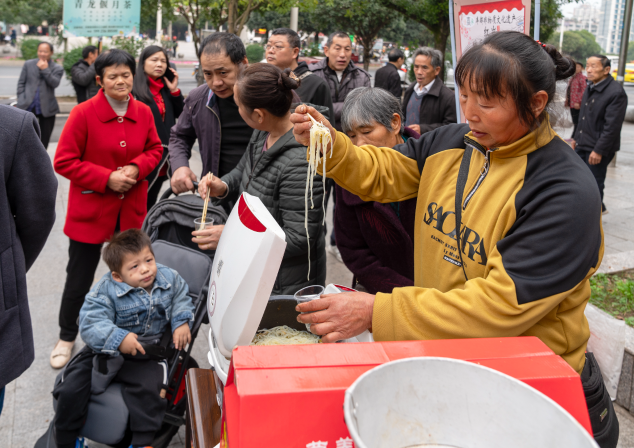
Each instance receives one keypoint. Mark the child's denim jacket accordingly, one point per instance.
(112, 310)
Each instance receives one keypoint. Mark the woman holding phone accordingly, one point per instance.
(107, 148)
(156, 84)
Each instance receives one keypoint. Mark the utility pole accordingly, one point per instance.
(294, 17)
(159, 23)
(625, 37)
(561, 35)
(538, 9)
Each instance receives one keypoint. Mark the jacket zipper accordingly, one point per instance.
(220, 131)
(483, 171)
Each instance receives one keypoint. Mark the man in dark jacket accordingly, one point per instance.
(603, 106)
(428, 104)
(36, 89)
(83, 74)
(27, 211)
(387, 77)
(342, 76)
(282, 50)
(339, 72)
(211, 115)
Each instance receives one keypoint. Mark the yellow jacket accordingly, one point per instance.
(531, 237)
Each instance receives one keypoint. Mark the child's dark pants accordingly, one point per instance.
(142, 383)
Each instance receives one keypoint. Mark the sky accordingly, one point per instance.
(569, 8)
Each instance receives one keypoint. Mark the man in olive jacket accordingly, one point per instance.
(27, 213)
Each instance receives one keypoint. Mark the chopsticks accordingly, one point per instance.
(210, 178)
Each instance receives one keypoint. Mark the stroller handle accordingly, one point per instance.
(167, 193)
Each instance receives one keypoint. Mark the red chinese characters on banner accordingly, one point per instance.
(477, 21)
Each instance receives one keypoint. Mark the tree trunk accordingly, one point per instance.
(440, 43)
(231, 16)
(367, 53)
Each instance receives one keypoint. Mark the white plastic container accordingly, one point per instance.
(440, 402)
(246, 263)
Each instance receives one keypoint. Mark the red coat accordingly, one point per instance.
(94, 143)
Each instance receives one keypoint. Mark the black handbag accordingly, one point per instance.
(605, 425)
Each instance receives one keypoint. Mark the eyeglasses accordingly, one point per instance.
(268, 47)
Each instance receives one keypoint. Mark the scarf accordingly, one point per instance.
(155, 89)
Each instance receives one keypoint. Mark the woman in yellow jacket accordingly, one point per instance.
(530, 231)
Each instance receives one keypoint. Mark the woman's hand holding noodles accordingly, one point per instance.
(302, 124)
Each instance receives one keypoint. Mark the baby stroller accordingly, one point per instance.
(172, 219)
(166, 223)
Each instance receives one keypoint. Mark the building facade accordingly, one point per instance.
(611, 25)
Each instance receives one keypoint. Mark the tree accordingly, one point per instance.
(268, 20)
(31, 12)
(433, 14)
(363, 18)
(578, 44)
(549, 17)
(407, 33)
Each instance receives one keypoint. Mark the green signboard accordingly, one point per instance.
(94, 18)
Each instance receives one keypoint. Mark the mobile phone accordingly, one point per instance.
(169, 74)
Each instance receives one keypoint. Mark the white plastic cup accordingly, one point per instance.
(200, 225)
(307, 294)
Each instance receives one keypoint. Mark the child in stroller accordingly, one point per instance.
(134, 303)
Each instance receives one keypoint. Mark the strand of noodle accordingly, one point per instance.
(319, 139)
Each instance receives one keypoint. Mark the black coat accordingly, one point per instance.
(313, 89)
(438, 107)
(173, 109)
(601, 118)
(388, 79)
(278, 178)
(28, 188)
(84, 81)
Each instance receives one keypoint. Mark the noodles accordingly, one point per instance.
(284, 336)
(319, 140)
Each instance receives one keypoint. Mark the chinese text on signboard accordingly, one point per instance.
(478, 21)
(88, 18)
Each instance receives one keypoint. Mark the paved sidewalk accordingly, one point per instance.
(28, 403)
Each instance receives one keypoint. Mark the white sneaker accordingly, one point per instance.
(335, 251)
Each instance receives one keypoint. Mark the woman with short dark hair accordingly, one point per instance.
(273, 168)
(107, 148)
(376, 240)
(156, 84)
(508, 220)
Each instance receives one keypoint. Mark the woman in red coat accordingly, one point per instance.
(108, 146)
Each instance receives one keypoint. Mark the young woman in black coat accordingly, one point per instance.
(156, 84)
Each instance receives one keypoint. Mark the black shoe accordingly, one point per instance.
(604, 211)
